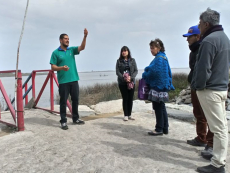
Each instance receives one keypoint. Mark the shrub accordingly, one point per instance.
(180, 82)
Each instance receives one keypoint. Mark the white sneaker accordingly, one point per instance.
(131, 118)
(126, 118)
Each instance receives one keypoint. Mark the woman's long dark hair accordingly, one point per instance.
(124, 48)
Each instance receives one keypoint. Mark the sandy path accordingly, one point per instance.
(106, 145)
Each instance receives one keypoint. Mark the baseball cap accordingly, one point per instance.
(192, 31)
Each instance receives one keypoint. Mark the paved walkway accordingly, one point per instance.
(104, 145)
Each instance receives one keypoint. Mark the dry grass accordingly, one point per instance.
(98, 93)
(180, 82)
(92, 95)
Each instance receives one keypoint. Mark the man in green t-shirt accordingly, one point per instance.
(63, 61)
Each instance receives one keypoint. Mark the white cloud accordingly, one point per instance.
(111, 25)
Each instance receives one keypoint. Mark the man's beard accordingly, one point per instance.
(65, 45)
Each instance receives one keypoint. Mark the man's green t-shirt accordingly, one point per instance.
(59, 58)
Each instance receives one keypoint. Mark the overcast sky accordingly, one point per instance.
(111, 25)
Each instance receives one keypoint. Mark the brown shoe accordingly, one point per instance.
(194, 142)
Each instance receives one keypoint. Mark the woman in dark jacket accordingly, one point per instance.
(126, 70)
(159, 77)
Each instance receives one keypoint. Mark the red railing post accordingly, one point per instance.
(26, 98)
(20, 116)
(33, 85)
(51, 91)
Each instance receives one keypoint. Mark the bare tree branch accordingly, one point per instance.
(20, 39)
(19, 43)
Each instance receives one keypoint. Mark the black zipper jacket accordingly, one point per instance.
(120, 68)
(192, 59)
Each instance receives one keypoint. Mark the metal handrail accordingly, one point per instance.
(23, 86)
(19, 117)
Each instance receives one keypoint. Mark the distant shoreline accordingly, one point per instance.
(45, 73)
(23, 74)
(114, 70)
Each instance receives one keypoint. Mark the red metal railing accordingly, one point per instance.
(20, 116)
(51, 76)
(27, 90)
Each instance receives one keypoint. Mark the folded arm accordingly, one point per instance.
(57, 68)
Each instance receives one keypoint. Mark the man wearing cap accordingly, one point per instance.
(203, 137)
(210, 79)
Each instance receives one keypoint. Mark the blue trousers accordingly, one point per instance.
(161, 117)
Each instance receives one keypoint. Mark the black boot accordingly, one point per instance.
(211, 169)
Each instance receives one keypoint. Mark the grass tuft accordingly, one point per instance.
(180, 82)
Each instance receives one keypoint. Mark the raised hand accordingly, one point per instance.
(85, 32)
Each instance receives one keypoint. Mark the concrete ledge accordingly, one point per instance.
(182, 107)
(83, 110)
(113, 106)
(180, 115)
(141, 106)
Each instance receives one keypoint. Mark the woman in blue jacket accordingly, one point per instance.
(159, 77)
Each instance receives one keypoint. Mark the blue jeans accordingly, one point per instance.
(161, 117)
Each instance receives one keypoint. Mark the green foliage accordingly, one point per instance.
(180, 82)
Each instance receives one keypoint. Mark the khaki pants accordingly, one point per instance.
(203, 135)
(213, 105)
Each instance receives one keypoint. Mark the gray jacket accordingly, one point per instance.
(212, 65)
(120, 67)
